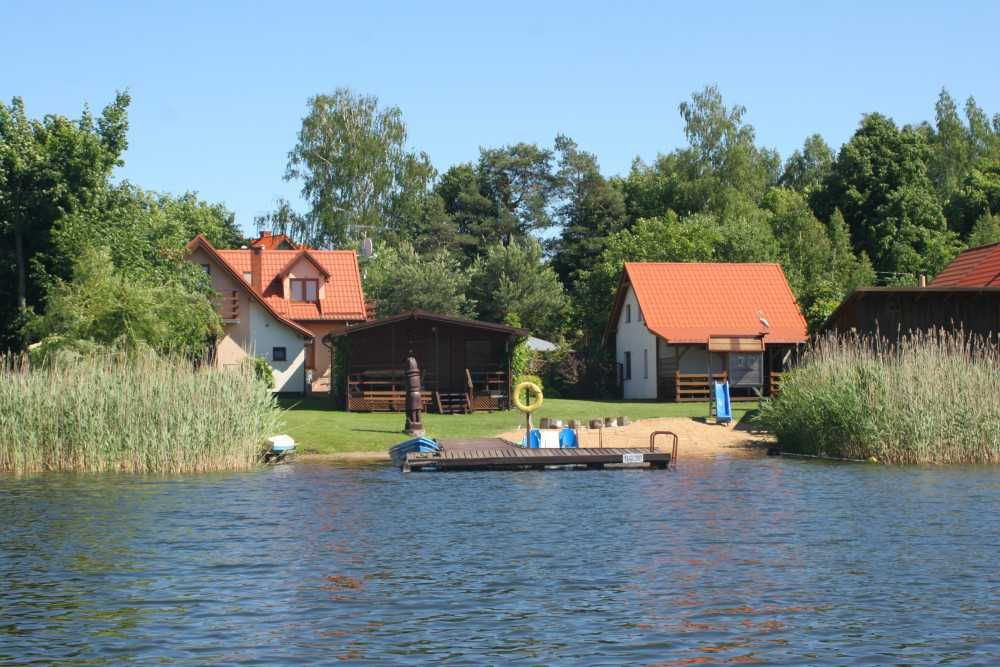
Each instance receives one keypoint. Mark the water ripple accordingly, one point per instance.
(723, 562)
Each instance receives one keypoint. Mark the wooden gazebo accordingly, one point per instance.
(464, 364)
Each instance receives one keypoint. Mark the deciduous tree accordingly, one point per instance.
(352, 161)
(48, 168)
(881, 185)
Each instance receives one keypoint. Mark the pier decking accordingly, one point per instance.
(497, 454)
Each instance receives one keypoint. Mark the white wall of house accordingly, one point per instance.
(267, 333)
(634, 338)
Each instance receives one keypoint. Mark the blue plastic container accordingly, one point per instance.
(534, 439)
(567, 439)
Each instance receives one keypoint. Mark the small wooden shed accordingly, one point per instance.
(964, 296)
(464, 364)
(890, 312)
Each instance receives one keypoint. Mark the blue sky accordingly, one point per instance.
(219, 89)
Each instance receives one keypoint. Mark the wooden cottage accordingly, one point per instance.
(890, 312)
(965, 296)
(678, 326)
(464, 364)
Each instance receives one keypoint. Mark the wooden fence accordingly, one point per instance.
(695, 386)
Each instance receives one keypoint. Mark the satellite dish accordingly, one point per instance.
(367, 248)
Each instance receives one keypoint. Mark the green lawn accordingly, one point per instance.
(317, 428)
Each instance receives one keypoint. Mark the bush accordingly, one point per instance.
(136, 413)
(262, 371)
(931, 398)
(560, 369)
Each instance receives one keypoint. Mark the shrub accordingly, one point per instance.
(262, 371)
(130, 412)
(931, 398)
(560, 369)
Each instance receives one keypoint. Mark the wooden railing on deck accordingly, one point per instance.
(776, 377)
(381, 390)
(696, 386)
(487, 389)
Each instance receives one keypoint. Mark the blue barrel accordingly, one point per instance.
(534, 439)
(567, 439)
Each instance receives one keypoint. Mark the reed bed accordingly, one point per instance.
(930, 398)
(133, 413)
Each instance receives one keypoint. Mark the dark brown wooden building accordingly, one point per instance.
(891, 312)
(464, 364)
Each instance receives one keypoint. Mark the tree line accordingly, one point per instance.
(523, 233)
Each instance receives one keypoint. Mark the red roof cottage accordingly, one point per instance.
(677, 324)
(279, 304)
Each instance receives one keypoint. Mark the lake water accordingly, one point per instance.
(723, 562)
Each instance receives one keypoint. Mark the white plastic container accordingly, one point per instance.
(281, 443)
(550, 438)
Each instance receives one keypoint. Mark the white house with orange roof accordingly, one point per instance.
(677, 326)
(279, 304)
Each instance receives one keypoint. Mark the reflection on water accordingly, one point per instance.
(723, 562)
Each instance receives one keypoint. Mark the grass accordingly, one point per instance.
(319, 429)
(135, 413)
(933, 398)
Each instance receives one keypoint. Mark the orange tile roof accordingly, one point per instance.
(690, 302)
(343, 297)
(975, 267)
(274, 241)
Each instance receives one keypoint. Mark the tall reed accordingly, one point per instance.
(133, 412)
(930, 398)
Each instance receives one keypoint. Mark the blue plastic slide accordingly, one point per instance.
(723, 407)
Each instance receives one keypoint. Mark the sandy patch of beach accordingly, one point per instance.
(696, 438)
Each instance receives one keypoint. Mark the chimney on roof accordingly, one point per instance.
(256, 279)
(265, 233)
(923, 281)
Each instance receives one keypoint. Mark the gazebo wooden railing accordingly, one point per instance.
(695, 386)
(382, 390)
(487, 389)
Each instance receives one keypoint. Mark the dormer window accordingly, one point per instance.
(304, 289)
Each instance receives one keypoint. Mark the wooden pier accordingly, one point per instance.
(497, 454)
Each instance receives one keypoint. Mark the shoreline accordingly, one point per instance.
(697, 439)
